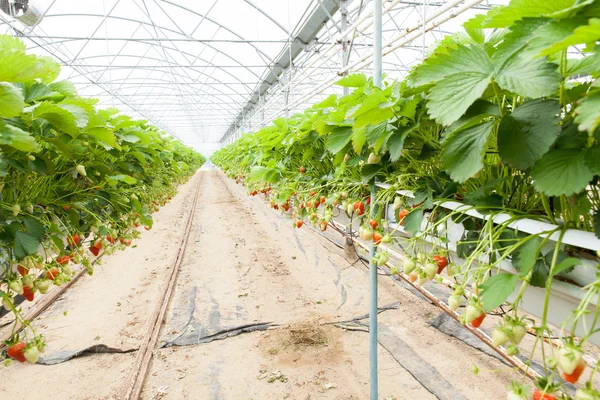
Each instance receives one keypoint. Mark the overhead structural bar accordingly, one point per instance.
(311, 28)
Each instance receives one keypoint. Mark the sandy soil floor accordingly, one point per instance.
(245, 264)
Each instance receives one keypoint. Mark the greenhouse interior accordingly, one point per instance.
(300, 199)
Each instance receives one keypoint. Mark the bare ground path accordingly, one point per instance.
(245, 265)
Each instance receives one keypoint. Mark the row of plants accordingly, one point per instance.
(503, 117)
(75, 181)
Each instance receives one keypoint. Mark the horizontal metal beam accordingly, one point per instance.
(125, 39)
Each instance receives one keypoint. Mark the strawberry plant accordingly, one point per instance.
(75, 180)
(503, 118)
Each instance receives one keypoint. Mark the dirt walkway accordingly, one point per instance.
(248, 265)
(245, 265)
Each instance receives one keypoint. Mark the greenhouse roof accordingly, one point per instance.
(206, 71)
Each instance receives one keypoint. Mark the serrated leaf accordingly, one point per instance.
(60, 118)
(586, 65)
(582, 35)
(527, 134)
(504, 16)
(462, 151)
(375, 132)
(338, 139)
(527, 256)
(104, 135)
(396, 143)
(588, 112)
(17, 138)
(462, 59)
(566, 264)
(369, 171)
(34, 228)
(330, 101)
(17, 66)
(474, 27)
(561, 172)
(359, 138)
(354, 80)
(25, 244)
(592, 159)
(528, 77)
(11, 100)
(412, 222)
(450, 98)
(496, 289)
(66, 88)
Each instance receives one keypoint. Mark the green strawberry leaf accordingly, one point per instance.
(462, 151)
(527, 134)
(496, 289)
(561, 172)
(11, 100)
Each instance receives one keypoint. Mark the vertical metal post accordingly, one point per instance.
(345, 57)
(286, 93)
(377, 80)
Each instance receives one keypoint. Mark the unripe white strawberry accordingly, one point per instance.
(374, 159)
(431, 269)
(499, 336)
(80, 170)
(31, 157)
(32, 354)
(16, 209)
(16, 286)
(454, 302)
(472, 313)
(409, 266)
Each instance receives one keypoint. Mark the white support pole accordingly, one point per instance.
(377, 80)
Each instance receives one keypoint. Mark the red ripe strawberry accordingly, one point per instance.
(23, 270)
(52, 273)
(299, 223)
(323, 226)
(540, 395)
(377, 237)
(368, 201)
(98, 244)
(373, 224)
(573, 377)
(136, 224)
(441, 261)
(476, 323)
(66, 208)
(312, 193)
(63, 260)
(301, 206)
(359, 208)
(401, 215)
(28, 293)
(73, 240)
(94, 250)
(323, 199)
(302, 170)
(17, 352)
(308, 205)
(111, 239)
(147, 228)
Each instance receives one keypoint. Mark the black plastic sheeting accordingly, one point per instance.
(63, 356)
